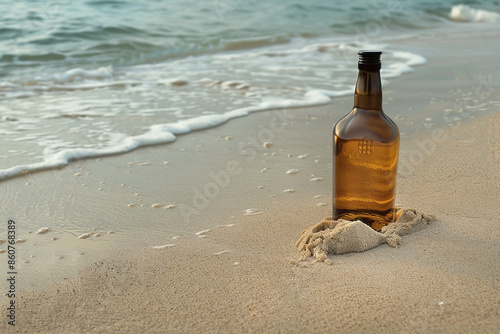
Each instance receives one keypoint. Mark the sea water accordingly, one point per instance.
(92, 78)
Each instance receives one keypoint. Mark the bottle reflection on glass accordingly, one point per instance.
(365, 152)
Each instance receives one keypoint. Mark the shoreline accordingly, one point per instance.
(157, 133)
(248, 277)
(234, 204)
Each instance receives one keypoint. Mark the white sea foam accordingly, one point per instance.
(162, 246)
(125, 112)
(71, 75)
(252, 212)
(203, 232)
(158, 134)
(396, 69)
(222, 252)
(468, 14)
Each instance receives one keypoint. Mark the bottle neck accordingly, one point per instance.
(368, 94)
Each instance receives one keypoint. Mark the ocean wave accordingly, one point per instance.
(71, 75)
(251, 43)
(464, 13)
(73, 79)
(151, 104)
(158, 134)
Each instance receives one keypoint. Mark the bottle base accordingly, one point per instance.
(374, 219)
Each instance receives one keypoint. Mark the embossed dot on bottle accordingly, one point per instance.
(365, 152)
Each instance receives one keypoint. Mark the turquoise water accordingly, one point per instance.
(59, 34)
(91, 78)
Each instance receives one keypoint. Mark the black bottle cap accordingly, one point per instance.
(369, 60)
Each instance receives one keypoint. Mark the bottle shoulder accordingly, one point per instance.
(361, 123)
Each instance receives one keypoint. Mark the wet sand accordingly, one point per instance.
(246, 275)
(203, 232)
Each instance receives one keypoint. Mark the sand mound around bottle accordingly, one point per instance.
(335, 237)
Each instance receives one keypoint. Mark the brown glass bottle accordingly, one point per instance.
(365, 152)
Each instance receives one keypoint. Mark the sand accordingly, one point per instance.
(229, 264)
(246, 275)
(342, 236)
